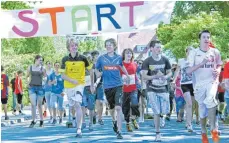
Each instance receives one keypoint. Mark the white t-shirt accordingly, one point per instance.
(185, 78)
(203, 75)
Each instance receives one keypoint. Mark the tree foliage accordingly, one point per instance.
(11, 5)
(185, 8)
(178, 36)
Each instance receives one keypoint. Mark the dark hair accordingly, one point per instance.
(95, 52)
(113, 41)
(19, 72)
(139, 61)
(2, 69)
(38, 57)
(47, 62)
(204, 31)
(56, 63)
(153, 43)
(86, 53)
(123, 54)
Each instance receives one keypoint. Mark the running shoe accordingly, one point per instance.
(128, 128)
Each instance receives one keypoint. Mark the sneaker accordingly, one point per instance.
(41, 124)
(60, 121)
(215, 136)
(158, 137)
(135, 124)
(14, 113)
(54, 121)
(79, 135)
(100, 121)
(84, 125)
(90, 127)
(128, 128)
(190, 128)
(7, 118)
(94, 119)
(162, 122)
(119, 135)
(51, 120)
(167, 117)
(32, 124)
(204, 138)
(115, 127)
(74, 123)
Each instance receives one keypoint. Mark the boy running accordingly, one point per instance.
(205, 64)
(73, 70)
(108, 66)
(157, 70)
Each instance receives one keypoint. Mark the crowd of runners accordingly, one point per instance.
(198, 83)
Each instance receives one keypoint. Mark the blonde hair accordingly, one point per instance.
(69, 41)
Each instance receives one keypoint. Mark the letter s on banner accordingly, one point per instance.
(29, 20)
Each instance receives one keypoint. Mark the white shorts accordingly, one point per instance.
(74, 94)
(205, 95)
(159, 102)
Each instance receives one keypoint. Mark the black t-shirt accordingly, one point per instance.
(156, 68)
(12, 82)
(78, 57)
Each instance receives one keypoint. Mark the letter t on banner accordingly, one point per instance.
(52, 12)
(131, 5)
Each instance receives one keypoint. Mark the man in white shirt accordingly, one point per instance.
(205, 64)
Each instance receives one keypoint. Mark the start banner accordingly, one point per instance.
(85, 19)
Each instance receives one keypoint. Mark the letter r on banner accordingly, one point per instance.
(107, 15)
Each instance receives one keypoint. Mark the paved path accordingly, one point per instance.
(173, 133)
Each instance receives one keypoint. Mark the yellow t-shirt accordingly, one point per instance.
(74, 68)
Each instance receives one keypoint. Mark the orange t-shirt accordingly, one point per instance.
(18, 85)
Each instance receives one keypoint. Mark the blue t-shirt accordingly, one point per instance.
(57, 88)
(110, 66)
(48, 87)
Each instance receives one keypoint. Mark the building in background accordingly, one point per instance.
(138, 41)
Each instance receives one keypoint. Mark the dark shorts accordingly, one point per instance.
(4, 100)
(19, 98)
(187, 88)
(221, 96)
(114, 96)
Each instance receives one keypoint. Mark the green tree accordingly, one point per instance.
(177, 36)
(11, 5)
(185, 8)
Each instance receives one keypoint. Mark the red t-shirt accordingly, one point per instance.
(131, 69)
(226, 71)
(18, 85)
(4, 85)
(220, 89)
